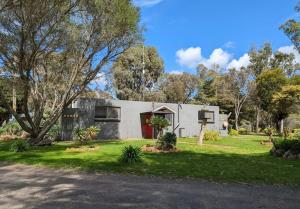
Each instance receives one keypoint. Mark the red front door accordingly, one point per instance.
(147, 128)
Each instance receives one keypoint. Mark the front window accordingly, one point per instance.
(107, 113)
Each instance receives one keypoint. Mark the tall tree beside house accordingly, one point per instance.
(269, 83)
(235, 87)
(179, 88)
(292, 29)
(129, 81)
(56, 48)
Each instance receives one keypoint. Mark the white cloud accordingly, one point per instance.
(229, 44)
(190, 57)
(100, 80)
(146, 3)
(243, 61)
(176, 72)
(290, 50)
(218, 57)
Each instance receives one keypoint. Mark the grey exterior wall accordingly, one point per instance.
(130, 124)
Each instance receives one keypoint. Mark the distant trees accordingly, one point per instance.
(128, 78)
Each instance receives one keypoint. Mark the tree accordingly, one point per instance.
(292, 29)
(235, 87)
(160, 123)
(129, 81)
(270, 82)
(54, 49)
(179, 88)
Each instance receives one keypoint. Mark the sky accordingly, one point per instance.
(191, 32)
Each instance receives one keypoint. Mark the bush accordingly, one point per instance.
(167, 141)
(85, 135)
(131, 154)
(92, 132)
(54, 132)
(269, 131)
(211, 135)
(292, 145)
(19, 146)
(233, 132)
(11, 128)
(243, 131)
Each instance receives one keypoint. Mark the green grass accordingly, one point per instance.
(231, 159)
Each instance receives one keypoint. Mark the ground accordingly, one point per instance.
(232, 159)
(39, 187)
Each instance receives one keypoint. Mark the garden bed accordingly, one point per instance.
(82, 149)
(155, 149)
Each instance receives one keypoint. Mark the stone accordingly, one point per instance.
(289, 155)
(279, 152)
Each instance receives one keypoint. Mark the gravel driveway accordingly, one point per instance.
(34, 187)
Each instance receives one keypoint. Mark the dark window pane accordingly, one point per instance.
(100, 112)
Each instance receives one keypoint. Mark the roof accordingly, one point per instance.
(162, 108)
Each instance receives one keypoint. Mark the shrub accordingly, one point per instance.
(269, 131)
(54, 132)
(292, 145)
(211, 135)
(233, 132)
(11, 128)
(243, 131)
(131, 154)
(91, 132)
(19, 146)
(80, 135)
(160, 123)
(167, 141)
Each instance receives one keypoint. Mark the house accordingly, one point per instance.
(120, 119)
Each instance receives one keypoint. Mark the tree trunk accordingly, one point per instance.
(202, 132)
(236, 119)
(257, 120)
(281, 126)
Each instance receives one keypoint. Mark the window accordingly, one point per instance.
(107, 113)
(209, 115)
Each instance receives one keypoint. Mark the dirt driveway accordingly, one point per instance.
(31, 187)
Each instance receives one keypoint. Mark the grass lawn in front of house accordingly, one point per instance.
(230, 159)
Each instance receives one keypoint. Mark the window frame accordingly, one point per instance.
(208, 111)
(107, 119)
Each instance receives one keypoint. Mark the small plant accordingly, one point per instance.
(167, 141)
(211, 135)
(243, 131)
(11, 128)
(19, 146)
(287, 144)
(131, 154)
(160, 123)
(92, 132)
(233, 132)
(80, 135)
(269, 132)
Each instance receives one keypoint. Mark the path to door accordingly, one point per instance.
(31, 187)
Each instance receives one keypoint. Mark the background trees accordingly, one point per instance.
(56, 48)
(128, 78)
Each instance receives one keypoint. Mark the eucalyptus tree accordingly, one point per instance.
(54, 49)
(135, 73)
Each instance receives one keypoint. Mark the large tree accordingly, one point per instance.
(179, 88)
(135, 73)
(54, 49)
(235, 87)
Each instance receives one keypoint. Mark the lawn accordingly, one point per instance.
(231, 159)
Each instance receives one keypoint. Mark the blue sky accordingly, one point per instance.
(221, 32)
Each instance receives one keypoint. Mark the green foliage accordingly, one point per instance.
(160, 123)
(211, 135)
(131, 154)
(84, 135)
(54, 132)
(243, 131)
(91, 132)
(129, 81)
(19, 146)
(11, 128)
(288, 144)
(269, 131)
(167, 141)
(233, 132)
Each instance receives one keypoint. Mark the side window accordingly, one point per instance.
(107, 113)
(209, 115)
